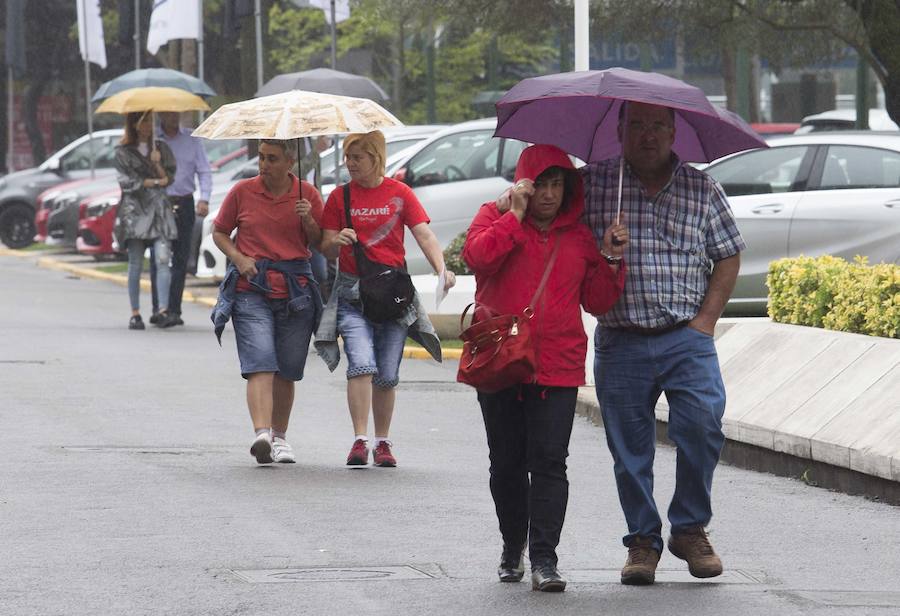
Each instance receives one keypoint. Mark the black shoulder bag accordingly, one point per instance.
(385, 292)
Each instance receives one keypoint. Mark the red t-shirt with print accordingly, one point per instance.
(379, 215)
(268, 227)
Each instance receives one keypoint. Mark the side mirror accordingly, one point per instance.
(53, 165)
(403, 174)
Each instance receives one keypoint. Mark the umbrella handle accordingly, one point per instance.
(619, 200)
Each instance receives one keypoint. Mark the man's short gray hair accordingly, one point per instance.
(288, 145)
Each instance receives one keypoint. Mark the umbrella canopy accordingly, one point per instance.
(326, 81)
(153, 77)
(579, 112)
(295, 114)
(152, 99)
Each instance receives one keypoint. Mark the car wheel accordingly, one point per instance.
(17, 226)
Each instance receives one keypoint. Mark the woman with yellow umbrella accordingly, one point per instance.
(145, 167)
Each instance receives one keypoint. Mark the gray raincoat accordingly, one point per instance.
(144, 213)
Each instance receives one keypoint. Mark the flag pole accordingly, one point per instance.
(200, 44)
(337, 142)
(87, 86)
(9, 119)
(137, 34)
(257, 11)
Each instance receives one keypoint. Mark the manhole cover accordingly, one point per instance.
(663, 576)
(331, 574)
(38, 362)
(851, 598)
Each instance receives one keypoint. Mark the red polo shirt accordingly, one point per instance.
(379, 215)
(268, 227)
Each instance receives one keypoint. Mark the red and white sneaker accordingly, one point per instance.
(383, 456)
(359, 453)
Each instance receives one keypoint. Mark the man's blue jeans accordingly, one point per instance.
(631, 370)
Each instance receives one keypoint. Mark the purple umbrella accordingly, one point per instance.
(579, 112)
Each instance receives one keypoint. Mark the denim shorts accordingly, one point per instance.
(270, 337)
(371, 348)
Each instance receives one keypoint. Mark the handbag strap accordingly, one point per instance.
(546, 276)
(362, 260)
(528, 311)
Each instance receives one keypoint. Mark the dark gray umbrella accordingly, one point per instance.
(153, 77)
(326, 81)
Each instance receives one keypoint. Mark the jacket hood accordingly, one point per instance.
(536, 159)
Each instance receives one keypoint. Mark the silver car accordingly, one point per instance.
(835, 193)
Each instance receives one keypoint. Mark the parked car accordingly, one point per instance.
(844, 119)
(44, 205)
(453, 173)
(19, 190)
(96, 217)
(834, 193)
(63, 212)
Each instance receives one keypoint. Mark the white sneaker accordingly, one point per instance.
(261, 449)
(282, 452)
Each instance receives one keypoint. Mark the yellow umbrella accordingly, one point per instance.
(152, 99)
(294, 114)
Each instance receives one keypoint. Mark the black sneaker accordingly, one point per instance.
(136, 322)
(165, 320)
(154, 318)
(176, 317)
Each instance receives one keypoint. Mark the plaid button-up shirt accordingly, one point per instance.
(676, 237)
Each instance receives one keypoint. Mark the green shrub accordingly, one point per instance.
(830, 292)
(453, 256)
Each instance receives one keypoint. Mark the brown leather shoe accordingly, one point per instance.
(640, 568)
(693, 546)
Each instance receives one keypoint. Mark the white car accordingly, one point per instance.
(835, 193)
(844, 119)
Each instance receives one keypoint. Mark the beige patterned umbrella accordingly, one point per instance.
(295, 114)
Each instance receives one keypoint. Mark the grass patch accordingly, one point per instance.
(42, 247)
(121, 268)
(448, 343)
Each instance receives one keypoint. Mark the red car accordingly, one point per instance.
(96, 217)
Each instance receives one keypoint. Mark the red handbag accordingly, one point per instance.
(498, 352)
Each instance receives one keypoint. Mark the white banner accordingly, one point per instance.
(341, 8)
(90, 32)
(173, 19)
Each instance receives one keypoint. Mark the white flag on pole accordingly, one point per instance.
(341, 8)
(173, 19)
(90, 32)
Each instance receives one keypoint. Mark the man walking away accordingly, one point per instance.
(191, 165)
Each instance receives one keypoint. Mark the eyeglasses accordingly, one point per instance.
(657, 128)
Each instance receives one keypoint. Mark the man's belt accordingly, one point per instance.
(653, 331)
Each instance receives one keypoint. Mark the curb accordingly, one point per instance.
(409, 352)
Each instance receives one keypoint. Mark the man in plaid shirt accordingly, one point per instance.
(683, 259)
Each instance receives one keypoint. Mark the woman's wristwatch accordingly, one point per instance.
(612, 260)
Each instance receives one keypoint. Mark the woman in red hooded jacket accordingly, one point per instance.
(508, 246)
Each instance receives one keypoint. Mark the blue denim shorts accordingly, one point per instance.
(270, 337)
(371, 348)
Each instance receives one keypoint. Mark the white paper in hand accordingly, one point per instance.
(441, 291)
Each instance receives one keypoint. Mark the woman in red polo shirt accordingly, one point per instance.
(269, 291)
(380, 208)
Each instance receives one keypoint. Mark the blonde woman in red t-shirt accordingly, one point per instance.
(380, 208)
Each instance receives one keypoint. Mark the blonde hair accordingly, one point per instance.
(372, 143)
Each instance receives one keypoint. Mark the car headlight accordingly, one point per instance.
(64, 200)
(99, 208)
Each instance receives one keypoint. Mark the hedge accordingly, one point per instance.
(832, 293)
(453, 256)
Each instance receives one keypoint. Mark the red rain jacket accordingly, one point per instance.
(509, 257)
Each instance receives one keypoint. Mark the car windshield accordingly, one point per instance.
(103, 150)
(760, 171)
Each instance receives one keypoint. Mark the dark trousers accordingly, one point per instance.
(528, 430)
(183, 207)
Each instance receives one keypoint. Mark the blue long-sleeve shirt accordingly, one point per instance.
(191, 161)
